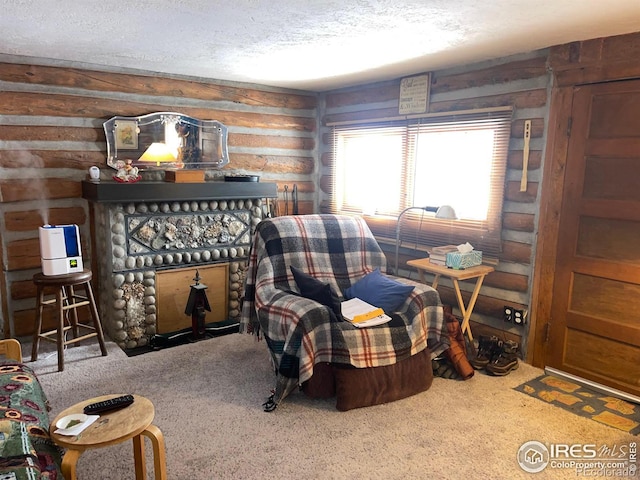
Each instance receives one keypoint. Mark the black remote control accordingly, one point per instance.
(108, 405)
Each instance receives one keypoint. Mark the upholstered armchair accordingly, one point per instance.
(303, 328)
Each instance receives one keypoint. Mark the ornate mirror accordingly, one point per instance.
(166, 140)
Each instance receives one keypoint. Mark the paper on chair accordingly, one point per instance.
(362, 314)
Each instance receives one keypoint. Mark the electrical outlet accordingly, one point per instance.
(519, 317)
(508, 314)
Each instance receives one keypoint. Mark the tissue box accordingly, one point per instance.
(460, 261)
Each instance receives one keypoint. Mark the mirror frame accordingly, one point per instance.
(197, 143)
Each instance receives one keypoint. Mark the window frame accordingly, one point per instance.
(423, 228)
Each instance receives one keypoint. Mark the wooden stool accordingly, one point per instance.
(111, 428)
(66, 299)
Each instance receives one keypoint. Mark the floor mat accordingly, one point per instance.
(582, 401)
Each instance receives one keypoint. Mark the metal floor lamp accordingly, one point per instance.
(445, 212)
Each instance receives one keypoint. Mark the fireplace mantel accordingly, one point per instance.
(141, 231)
(115, 192)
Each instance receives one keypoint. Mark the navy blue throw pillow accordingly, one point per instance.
(380, 291)
(314, 289)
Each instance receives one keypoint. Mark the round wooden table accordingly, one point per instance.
(111, 428)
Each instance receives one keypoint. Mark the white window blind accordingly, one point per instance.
(458, 159)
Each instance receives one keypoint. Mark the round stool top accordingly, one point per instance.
(65, 279)
(111, 428)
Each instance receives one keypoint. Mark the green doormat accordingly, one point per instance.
(582, 401)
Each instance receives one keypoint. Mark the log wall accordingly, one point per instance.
(520, 81)
(51, 133)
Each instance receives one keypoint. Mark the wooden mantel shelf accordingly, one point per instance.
(115, 192)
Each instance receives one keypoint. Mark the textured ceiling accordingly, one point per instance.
(304, 44)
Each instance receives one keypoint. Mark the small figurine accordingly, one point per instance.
(126, 172)
(196, 306)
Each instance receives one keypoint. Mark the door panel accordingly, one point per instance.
(595, 312)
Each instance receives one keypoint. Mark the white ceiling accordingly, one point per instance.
(305, 44)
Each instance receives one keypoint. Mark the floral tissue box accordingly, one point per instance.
(459, 261)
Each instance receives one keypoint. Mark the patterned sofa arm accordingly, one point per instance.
(26, 450)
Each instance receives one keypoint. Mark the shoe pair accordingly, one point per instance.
(497, 357)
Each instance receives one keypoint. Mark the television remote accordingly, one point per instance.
(108, 405)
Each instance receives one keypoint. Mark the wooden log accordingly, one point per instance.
(271, 163)
(152, 85)
(80, 160)
(537, 128)
(522, 222)
(496, 74)
(525, 99)
(27, 103)
(507, 281)
(24, 320)
(27, 220)
(23, 254)
(271, 141)
(23, 289)
(386, 91)
(303, 187)
(515, 159)
(516, 252)
(326, 184)
(50, 133)
(304, 207)
(485, 305)
(379, 92)
(39, 189)
(514, 194)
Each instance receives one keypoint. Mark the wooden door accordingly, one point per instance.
(595, 312)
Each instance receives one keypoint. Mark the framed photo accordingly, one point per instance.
(126, 133)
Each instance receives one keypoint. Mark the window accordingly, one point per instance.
(382, 168)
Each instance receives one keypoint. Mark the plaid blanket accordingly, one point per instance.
(338, 250)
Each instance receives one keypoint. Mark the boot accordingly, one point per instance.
(488, 348)
(457, 352)
(506, 361)
(442, 367)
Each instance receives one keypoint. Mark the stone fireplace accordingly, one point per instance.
(145, 231)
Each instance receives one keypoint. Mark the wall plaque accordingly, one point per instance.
(414, 94)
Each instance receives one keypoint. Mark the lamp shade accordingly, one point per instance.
(158, 153)
(446, 211)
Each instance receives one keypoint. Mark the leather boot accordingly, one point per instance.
(489, 347)
(506, 361)
(457, 352)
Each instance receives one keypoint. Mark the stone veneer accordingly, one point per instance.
(135, 239)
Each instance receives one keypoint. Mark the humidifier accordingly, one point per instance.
(60, 251)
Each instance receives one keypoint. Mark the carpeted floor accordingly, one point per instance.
(585, 402)
(208, 396)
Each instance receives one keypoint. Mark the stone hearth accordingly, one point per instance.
(149, 227)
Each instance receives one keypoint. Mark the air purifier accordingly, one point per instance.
(60, 250)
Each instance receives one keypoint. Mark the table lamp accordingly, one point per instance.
(445, 212)
(158, 153)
